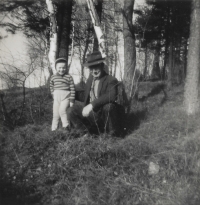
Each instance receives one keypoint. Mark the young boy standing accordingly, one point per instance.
(63, 91)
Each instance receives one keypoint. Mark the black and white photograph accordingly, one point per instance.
(99, 102)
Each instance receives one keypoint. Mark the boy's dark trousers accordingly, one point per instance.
(107, 119)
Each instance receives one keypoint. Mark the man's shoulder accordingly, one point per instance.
(111, 78)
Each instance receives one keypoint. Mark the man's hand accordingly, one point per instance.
(86, 110)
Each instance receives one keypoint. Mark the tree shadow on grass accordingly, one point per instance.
(9, 192)
(133, 120)
(155, 91)
(16, 188)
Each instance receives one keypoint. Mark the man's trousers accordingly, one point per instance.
(107, 119)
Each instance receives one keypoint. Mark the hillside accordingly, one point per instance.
(157, 162)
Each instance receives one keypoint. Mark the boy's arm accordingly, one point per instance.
(72, 91)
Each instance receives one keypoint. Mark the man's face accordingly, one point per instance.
(61, 68)
(96, 70)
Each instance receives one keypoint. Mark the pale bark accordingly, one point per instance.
(115, 55)
(98, 7)
(129, 52)
(72, 47)
(191, 98)
(97, 28)
(53, 35)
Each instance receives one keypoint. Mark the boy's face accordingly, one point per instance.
(96, 70)
(61, 68)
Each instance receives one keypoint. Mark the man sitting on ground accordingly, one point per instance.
(99, 111)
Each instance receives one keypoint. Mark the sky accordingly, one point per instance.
(140, 2)
(13, 51)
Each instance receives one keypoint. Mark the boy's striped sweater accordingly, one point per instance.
(65, 82)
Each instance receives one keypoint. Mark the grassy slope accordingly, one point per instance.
(41, 167)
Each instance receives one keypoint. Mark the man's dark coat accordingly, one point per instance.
(107, 91)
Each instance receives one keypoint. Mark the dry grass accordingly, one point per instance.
(41, 167)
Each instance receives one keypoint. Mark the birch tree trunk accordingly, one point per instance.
(98, 8)
(72, 48)
(97, 28)
(129, 52)
(53, 35)
(191, 98)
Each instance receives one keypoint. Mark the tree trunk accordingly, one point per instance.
(185, 58)
(191, 98)
(64, 12)
(129, 52)
(96, 23)
(116, 51)
(72, 48)
(98, 8)
(145, 62)
(169, 78)
(156, 74)
(177, 63)
(53, 35)
(87, 42)
(166, 58)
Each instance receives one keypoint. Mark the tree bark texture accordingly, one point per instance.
(185, 52)
(129, 51)
(53, 35)
(191, 98)
(156, 73)
(64, 12)
(170, 70)
(145, 62)
(86, 46)
(98, 8)
(96, 23)
(166, 58)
